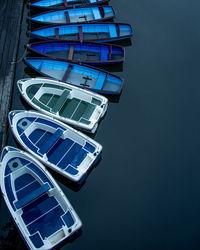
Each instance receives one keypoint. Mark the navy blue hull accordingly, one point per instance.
(88, 53)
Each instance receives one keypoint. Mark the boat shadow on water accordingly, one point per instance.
(11, 238)
(115, 67)
(118, 67)
(32, 26)
(125, 43)
(68, 183)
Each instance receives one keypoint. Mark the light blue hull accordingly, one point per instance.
(101, 32)
(82, 76)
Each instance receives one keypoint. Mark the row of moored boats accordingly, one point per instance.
(73, 38)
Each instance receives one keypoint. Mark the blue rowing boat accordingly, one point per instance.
(82, 76)
(39, 208)
(63, 4)
(60, 147)
(76, 15)
(77, 52)
(102, 32)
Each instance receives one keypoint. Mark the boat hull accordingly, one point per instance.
(83, 32)
(86, 77)
(57, 145)
(77, 52)
(75, 15)
(77, 107)
(39, 208)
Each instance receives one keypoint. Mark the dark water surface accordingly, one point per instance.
(144, 194)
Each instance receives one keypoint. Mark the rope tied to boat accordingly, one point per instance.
(21, 58)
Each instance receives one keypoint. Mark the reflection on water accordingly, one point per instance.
(10, 237)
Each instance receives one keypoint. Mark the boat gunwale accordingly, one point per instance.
(98, 62)
(40, 8)
(89, 66)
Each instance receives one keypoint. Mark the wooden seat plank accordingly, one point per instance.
(65, 3)
(51, 141)
(80, 30)
(101, 9)
(57, 33)
(71, 52)
(67, 17)
(110, 52)
(61, 101)
(67, 72)
(32, 196)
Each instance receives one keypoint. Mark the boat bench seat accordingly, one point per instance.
(79, 111)
(69, 107)
(112, 30)
(96, 13)
(71, 52)
(84, 110)
(89, 111)
(100, 81)
(68, 219)
(32, 196)
(67, 17)
(61, 101)
(104, 53)
(67, 73)
(80, 31)
(51, 141)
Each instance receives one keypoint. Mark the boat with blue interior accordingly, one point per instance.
(60, 147)
(76, 15)
(39, 208)
(74, 51)
(96, 32)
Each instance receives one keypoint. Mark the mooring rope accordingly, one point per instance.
(21, 58)
(24, 54)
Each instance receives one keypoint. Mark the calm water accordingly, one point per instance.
(144, 194)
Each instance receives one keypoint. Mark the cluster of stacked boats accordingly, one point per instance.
(70, 95)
